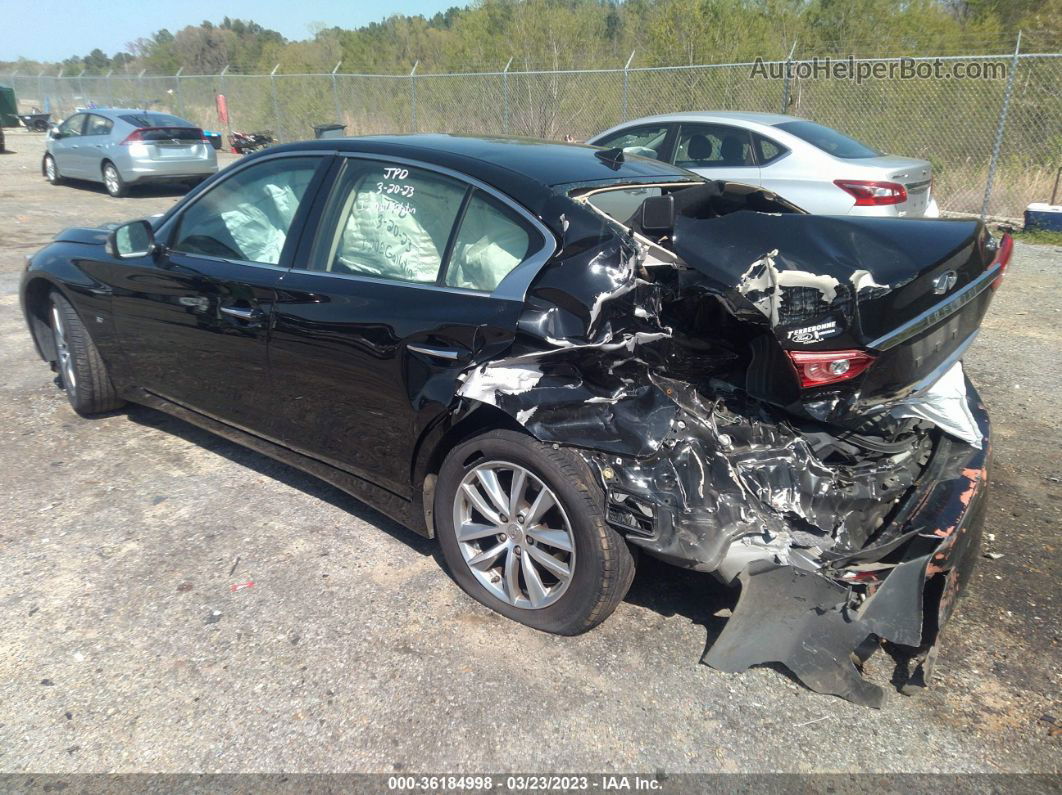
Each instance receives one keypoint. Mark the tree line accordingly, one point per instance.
(579, 34)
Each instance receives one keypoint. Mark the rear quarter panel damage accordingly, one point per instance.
(644, 366)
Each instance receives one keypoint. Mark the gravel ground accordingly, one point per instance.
(125, 647)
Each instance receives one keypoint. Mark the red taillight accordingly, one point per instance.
(819, 368)
(133, 137)
(1006, 247)
(872, 194)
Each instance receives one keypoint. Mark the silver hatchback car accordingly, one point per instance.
(812, 166)
(123, 147)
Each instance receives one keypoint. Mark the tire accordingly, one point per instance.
(599, 564)
(51, 171)
(112, 180)
(82, 372)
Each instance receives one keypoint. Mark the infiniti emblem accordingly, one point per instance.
(944, 282)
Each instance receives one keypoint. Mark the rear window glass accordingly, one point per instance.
(829, 141)
(155, 120)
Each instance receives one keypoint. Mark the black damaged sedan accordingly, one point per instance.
(552, 356)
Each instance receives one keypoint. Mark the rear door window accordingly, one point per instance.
(389, 221)
(246, 217)
(647, 141)
(98, 125)
(491, 241)
(713, 146)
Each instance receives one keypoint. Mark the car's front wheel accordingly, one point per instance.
(113, 181)
(82, 372)
(523, 531)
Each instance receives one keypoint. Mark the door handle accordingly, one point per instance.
(449, 354)
(247, 314)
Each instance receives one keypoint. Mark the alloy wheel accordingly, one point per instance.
(66, 360)
(514, 535)
(110, 179)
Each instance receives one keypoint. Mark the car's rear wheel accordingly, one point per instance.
(82, 372)
(522, 528)
(113, 181)
(51, 170)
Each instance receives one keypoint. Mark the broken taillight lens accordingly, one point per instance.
(869, 193)
(819, 368)
(1006, 248)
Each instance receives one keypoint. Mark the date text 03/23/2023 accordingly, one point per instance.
(537, 783)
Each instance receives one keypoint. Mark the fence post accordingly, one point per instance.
(998, 143)
(40, 92)
(180, 97)
(58, 91)
(228, 108)
(335, 91)
(787, 78)
(276, 105)
(140, 88)
(413, 93)
(110, 87)
(505, 95)
(626, 86)
(81, 85)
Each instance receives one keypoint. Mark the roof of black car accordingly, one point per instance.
(513, 165)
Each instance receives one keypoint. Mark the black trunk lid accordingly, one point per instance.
(912, 292)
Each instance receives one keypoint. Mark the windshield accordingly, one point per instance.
(829, 141)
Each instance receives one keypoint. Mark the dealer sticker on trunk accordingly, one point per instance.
(819, 331)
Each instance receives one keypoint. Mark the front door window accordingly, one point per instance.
(247, 216)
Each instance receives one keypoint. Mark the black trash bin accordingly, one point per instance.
(329, 130)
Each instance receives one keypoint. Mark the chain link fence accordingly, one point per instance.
(995, 139)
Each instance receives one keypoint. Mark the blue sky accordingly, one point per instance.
(51, 30)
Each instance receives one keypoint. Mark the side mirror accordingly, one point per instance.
(53, 132)
(134, 239)
(658, 214)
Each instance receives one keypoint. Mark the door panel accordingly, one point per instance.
(195, 331)
(96, 135)
(194, 320)
(399, 293)
(67, 149)
(362, 366)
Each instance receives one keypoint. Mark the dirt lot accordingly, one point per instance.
(124, 647)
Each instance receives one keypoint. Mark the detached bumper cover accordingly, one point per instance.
(817, 626)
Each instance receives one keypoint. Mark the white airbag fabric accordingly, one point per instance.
(945, 405)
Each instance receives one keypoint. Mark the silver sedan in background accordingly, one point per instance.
(123, 147)
(812, 166)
